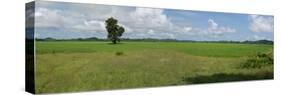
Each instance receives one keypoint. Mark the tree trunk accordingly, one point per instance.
(114, 41)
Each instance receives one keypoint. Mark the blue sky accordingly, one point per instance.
(71, 20)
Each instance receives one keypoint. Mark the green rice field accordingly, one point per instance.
(70, 66)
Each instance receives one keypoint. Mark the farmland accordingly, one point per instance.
(63, 66)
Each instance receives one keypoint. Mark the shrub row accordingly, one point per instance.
(258, 61)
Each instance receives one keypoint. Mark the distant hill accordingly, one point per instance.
(259, 42)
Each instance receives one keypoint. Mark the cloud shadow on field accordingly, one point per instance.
(223, 77)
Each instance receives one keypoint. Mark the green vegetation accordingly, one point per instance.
(258, 61)
(114, 30)
(65, 66)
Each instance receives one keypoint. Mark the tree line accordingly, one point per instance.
(155, 40)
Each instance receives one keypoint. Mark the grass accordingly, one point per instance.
(199, 49)
(82, 66)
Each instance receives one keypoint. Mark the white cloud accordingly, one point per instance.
(212, 24)
(257, 37)
(149, 18)
(151, 32)
(187, 29)
(214, 28)
(52, 18)
(261, 23)
(147, 22)
(68, 21)
(93, 25)
(138, 22)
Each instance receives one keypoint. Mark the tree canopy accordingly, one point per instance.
(114, 30)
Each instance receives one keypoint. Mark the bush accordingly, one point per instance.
(119, 53)
(258, 61)
(53, 52)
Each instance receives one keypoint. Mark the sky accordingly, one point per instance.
(61, 20)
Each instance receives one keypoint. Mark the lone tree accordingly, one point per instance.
(114, 30)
